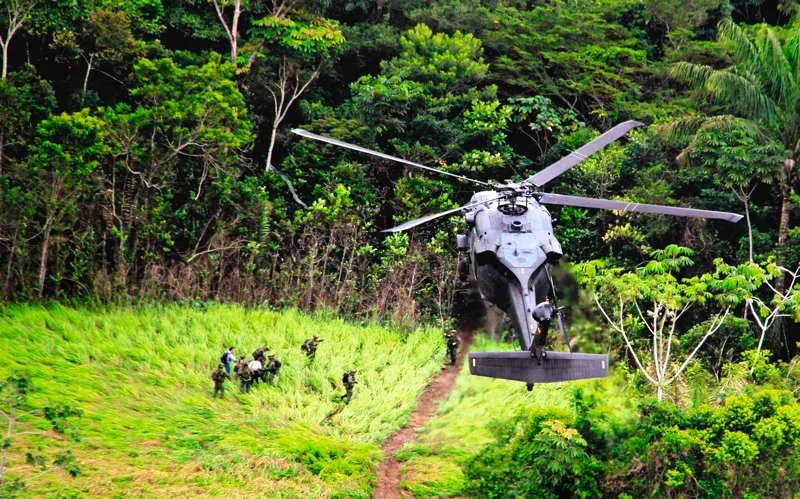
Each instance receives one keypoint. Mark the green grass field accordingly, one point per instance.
(151, 428)
(463, 423)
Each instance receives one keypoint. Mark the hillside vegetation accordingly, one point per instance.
(150, 426)
(148, 167)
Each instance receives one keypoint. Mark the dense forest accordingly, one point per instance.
(146, 155)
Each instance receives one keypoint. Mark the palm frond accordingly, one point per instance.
(687, 131)
(729, 122)
(679, 131)
(775, 71)
(792, 51)
(730, 88)
(734, 37)
(693, 74)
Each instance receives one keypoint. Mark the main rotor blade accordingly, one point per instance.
(433, 216)
(347, 145)
(607, 204)
(583, 152)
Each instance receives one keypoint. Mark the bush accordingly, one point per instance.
(536, 456)
(746, 445)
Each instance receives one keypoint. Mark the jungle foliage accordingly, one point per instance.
(145, 153)
(145, 156)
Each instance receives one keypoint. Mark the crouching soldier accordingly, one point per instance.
(349, 381)
(272, 369)
(310, 347)
(219, 376)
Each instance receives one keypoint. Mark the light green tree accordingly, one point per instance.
(65, 152)
(649, 306)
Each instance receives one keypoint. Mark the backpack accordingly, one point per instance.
(224, 358)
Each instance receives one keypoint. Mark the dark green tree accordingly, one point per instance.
(761, 86)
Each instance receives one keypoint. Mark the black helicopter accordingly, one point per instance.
(512, 249)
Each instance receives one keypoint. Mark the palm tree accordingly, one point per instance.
(762, 88)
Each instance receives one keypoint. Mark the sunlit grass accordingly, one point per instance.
(150, 426)
(462, 426)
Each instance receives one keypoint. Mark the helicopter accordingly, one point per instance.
(512, 250)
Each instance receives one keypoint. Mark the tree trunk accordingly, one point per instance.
(272, 138)
(783, 228)
(86, 77)
(2, 150)
(4, 74)
(746, 199)
(45, 253)
(786, 190)
(10, 265)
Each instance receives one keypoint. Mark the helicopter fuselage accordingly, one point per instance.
(510, 244)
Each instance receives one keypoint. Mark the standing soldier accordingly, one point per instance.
(256, 371)
(272, 369)
(259, 354)
(219, 376)
(310, 347)
(349, 381)
(451, 338)
(244, 375)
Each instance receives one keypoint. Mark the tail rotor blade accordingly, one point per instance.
(347, 145)
(583, 152)
(607, 204)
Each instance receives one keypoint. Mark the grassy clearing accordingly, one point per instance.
(150, 426)
(463, 424)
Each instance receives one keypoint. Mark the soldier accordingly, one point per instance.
(260, 353)
(244, 375)
(272, 369)
(256, 371)
(219, 376)
(349, 381)
(451, 338)
(310, 347)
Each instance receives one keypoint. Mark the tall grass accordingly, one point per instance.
(151, 427)
(463, 424)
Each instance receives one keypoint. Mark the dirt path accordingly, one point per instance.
(389, 469)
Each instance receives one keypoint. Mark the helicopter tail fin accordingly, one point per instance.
(519, 366)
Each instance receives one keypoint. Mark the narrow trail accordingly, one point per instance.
(439, 387)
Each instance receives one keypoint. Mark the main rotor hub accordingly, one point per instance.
(512, 209)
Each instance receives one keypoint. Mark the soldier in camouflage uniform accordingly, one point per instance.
(244, 375)
(451, 338)
(349, 381)
(310, 347)
(219, 376)
(272, 369)
(260, 353)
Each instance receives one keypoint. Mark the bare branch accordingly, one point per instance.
(712, 329)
